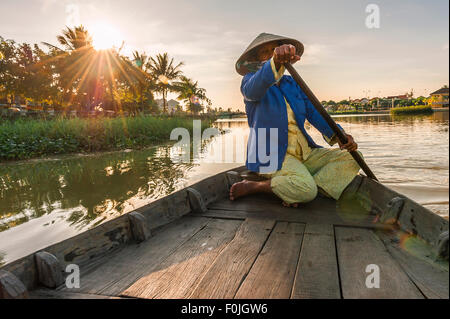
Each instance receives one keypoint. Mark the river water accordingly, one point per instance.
(45, 201)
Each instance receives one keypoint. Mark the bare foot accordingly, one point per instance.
(295, 205)
(249, 187)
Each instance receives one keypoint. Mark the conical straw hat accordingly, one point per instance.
(260, 40)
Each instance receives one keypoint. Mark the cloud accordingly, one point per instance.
(314, 53)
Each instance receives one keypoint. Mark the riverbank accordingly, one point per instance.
(28, 138)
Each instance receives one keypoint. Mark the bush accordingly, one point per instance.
(415, 109)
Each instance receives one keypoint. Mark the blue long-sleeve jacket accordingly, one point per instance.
(267, 117)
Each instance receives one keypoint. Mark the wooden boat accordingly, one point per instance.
(195, 243)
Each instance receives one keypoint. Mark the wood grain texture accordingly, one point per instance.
(122, 269)
(166, 209)
(179, 273)
(420, 221)
(430, 277)
(50, 272)
(272, 275)
(11, 287)
(358, 248)
(93, 244)
(295, 216)
(317, 273)
(25, 270)
(223, 278)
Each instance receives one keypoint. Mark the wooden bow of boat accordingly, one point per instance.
(195, 243)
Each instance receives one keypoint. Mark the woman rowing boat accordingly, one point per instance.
(279, 148)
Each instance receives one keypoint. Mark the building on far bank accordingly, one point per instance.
(171, 105)
(399, 97)
(402, 97)
(439, 98)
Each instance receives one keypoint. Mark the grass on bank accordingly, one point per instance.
(28, 138)
(415, 109)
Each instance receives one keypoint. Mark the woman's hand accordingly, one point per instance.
(351, 144)
(283, 54)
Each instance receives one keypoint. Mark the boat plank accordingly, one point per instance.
(317, 273)
(358, 248)
(180, 271)
(294, 215)
(272, 275)
(432, 280)
(122, 269)
(260, 204)
(223, 278)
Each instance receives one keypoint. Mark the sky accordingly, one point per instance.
(406, 48)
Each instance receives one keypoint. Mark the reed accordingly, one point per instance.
(414, 109)
(30, 138)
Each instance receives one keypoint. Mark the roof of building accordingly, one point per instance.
(441, 91)
(403, 96)
(170, 103)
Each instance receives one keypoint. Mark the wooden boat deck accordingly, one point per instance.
(255, 248)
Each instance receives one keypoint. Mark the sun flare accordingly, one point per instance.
(105, 36)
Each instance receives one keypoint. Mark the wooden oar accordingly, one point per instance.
(318, 106)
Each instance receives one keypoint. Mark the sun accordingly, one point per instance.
(105, 36)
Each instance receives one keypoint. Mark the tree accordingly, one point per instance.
(144, 80)
(72, 73)
(75, 39)
(163, 70)
(189, 92)
(8, 69)
(421, 100)
(78, 81)
(34, 74)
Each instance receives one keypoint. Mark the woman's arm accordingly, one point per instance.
(314, 117)
(255, 85)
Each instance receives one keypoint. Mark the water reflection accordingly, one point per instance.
(93, 188)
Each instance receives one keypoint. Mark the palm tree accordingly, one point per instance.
(164, 71)
(144, 79)
(187, 89)
(75, 64)
(76, 38)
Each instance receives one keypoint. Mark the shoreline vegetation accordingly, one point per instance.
(411, 110)
(30, 138)
(402, 110)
